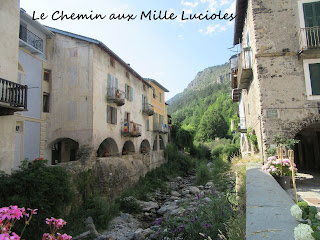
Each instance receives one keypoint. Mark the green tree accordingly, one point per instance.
(212, 125)
(185, 138)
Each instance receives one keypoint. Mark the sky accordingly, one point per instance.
(170, 51)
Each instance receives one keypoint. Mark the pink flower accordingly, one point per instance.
(63, 237)
(33, 211)
(272, 158)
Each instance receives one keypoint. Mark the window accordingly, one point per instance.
(154, 93)
(45, 102)
(312, 78)
(148, 125)
(46, 75)
(112, 63)
(160, 97)
(126, 116)
(129, 92)
(111, 115)
(311, 11)
(127, 74)
(144, 87)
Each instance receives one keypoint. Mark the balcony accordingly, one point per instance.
(309, 39)
(236, 94)
(130, 129)
(244, 76)
(242, 125)
(148, 109)
(163, 128)
(116, 96)
(233, 70)
(13, 97)
(30, 41)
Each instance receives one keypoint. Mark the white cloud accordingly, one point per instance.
(180, 37)
(211, 29)
(212, 5)
(190, 4)
(200, 30)
(223, 28)
(231, 8)
(224, 2)
(187, 11)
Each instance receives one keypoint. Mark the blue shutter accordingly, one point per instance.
(143, 105)
(109, 81)
(116, 83)
(126, 88)
(131, 94)
(147, 102)
(108, 114)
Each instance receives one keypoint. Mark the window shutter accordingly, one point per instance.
(131, 94)
(109, 80)
(108, 114)
(143, 105)
(148, 125)
(125, 117)
(116, 83)
(114, 112)
(126, 88)
(315, 78)
(147, 101)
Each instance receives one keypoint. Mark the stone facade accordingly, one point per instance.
(276, 100)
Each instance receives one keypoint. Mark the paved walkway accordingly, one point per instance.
(268, 207)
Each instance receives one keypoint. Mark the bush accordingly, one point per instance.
(219, 149)
(231, 151)
(203, 174)
(129, 205)
(37, 186)
(201, 151)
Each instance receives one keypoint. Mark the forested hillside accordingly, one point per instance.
(205, 107)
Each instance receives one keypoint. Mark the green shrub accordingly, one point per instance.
(231, 151)
(201, 151)
(203, 174)
(219, 149)
(37, 186)
(129, 205)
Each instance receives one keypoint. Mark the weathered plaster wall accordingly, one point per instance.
(102, 129)
(71, 90)
(9, 31)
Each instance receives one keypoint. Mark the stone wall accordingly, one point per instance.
(116, 174)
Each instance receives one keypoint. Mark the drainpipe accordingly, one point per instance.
(260, 118)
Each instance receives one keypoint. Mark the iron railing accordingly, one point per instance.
(30, 38)
(148, 109)
(116, 95)
(161, 127)
(13, 93)
(131, 129)
(309, 37)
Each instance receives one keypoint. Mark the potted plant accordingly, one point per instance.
(281, 172)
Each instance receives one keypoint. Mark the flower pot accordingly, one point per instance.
(284, 181)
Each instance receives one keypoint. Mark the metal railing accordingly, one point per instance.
(115, 93)
(309, 37)
(148, 109)
(246, 58)
(131, 129)
(13, 93)
(161, 127)
(30, 38)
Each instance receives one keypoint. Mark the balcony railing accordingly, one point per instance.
(148, 109)
(30, 38)
(245, 68)
(236, 94)
(14, 95)
(131, 129)
(309, 38)
(115, 95)
(161, 127)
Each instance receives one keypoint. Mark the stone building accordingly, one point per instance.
(22, 73)
(277, 76)
(98, 103)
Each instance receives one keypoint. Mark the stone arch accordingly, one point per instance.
(63, 150)
(307, 151)
(155, 143)
(128, 148)
(108, 148)
(298, 127)
(145, 146)
(161, 143)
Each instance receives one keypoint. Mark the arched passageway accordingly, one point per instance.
(161, 143)
(108, 148)
(128, 148)
(145, 146)
(63, 150)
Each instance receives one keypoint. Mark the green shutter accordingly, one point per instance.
(315, 78)
(143, 106)
(116, 83)
(126, 88)
(108, 114)
(147, 101)
(311, 13)
(109, 81)
(131, 94)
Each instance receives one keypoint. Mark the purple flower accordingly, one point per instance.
(158, 221)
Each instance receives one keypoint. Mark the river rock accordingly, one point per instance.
(141, 234)
(148, 206)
